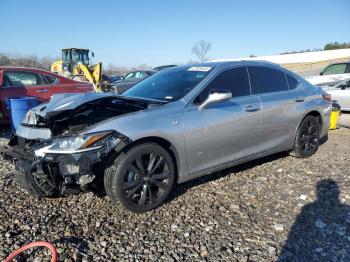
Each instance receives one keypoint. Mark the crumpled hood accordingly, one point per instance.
(62, 102)
(71, 103)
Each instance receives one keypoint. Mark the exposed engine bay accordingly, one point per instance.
(52, 153)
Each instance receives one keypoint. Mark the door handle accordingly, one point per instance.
(299, 99)
(42, 91)
(252, 108)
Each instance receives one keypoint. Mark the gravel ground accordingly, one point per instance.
(266, 210)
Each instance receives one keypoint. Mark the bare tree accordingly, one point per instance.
(200, 49)
(26, 61)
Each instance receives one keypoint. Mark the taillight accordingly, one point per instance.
(327, 97)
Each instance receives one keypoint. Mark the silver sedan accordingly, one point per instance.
(340, 93)
(176, 125)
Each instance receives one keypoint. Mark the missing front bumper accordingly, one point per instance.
(58, 174)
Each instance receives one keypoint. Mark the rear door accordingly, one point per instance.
(225, 131)
(63, 85)
(280, 95)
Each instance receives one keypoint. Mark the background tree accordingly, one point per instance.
(336, 45)
(201, 49)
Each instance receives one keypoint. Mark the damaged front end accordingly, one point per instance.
(55, 155)
(64, 165)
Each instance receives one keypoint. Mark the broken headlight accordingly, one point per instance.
(75, 144)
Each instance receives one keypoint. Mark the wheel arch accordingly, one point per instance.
(316, 114)
(164, 143)
(313, 113)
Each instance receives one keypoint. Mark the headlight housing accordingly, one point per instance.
(75, 144)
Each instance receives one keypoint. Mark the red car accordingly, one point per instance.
(21, 81)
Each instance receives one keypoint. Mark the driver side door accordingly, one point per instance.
(226, 131)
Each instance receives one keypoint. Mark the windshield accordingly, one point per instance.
(169, 85)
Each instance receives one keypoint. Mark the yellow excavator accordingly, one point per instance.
(75, 64)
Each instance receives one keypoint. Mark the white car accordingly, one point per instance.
(340, 93)
(331, 75)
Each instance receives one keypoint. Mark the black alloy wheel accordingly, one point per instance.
(142, 178)
(307, 138)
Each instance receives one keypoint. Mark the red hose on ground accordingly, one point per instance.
(31, 245)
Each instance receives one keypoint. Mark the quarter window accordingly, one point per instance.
(21, 78)
(49, 79)
(292, 82)
(234, 80)
(266, 80)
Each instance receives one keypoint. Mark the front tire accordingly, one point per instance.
(307, 138)
(142, 178)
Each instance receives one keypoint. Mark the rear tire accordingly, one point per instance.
(307, 138)
(142, 178)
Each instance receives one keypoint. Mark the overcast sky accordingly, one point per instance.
(131, 33)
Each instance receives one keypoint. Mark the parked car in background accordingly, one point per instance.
(20, 81)
(130, 79)
(174, 126)
(111, 78)
(331, 75)
(341, 93)
(158, 68)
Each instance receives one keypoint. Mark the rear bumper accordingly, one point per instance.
(326, 120)
(325, 127)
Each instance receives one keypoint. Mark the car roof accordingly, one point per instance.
(223, 64)
(146, 71)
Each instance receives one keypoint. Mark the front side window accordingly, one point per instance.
(266, 80)
(129, 76)
(335, 69)
(169, 85)
(234, 80)
(19, 78)
(76, 56)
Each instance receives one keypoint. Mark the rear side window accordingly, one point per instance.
(292, 82)
(267, 80)
(49, 79)
(234, 80)
(21, 78)
(139, 75)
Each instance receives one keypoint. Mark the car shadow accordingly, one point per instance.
(184, 187)
(5, 131)
(321, 232)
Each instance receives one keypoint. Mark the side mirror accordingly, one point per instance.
(321, 73)
(92, 54)
(218, 96)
